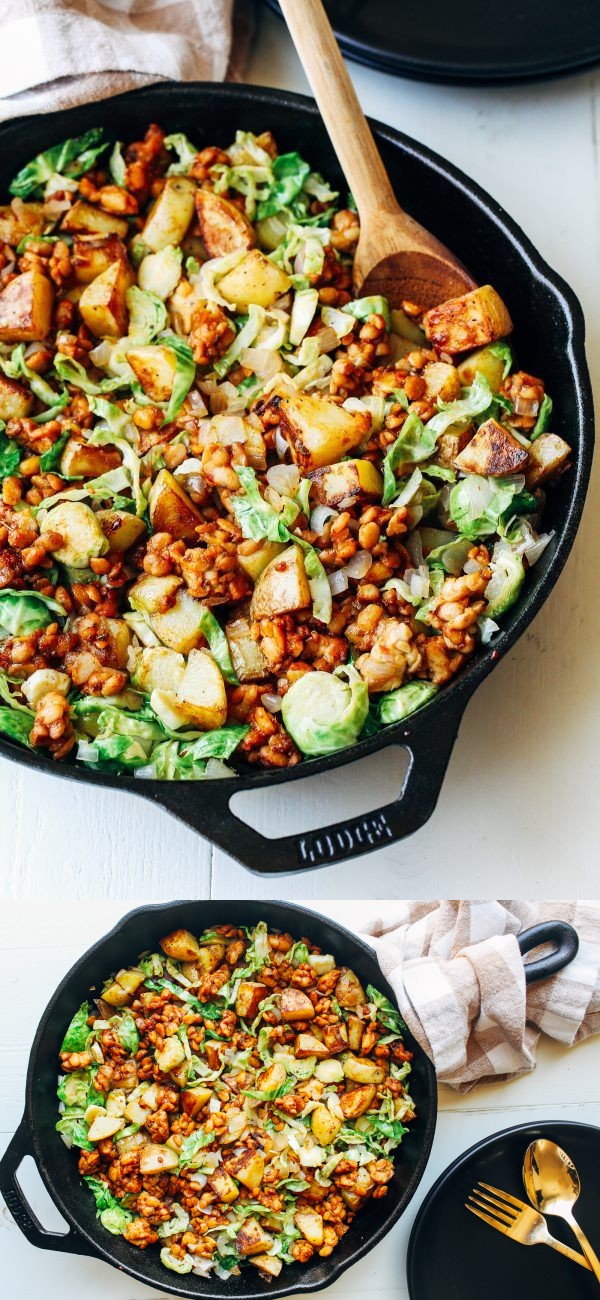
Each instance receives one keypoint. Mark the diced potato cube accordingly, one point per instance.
(154, 366)
(135, 1113)
(254, 280)
(170, 1055)
(193, 1100)
(310, 1223)
(171, 215)
(91, 256)
(482, 362)
(308, 1045)
(272, 1077)
(442, 380)
(181, 945)
(492, 451)
(92, 1112)
(15, 400)
(131, 979)
(359, 1069)
(26, 308)
(248, 1168)
(82, 536)
(173, 614)
(325, 1126)
(82, 460)
(171, 509)
(210, 956)
(247, 657)
(248, 999)
(282, 587)
(254, 562)
(548, 455)
(468, 321)
(349, 990)
(93, 221)
(341, 486)
(157, 1159)
(157, 668)
(335, 1038)
(16, 223)
(223, 227)
(201, 693)
(105, 1126)
(269, 1264)
(355, 1103)
(252, 1239)
(451, 443)
(223, 1186)
(121, 529)
(116, 995)
(103, 303)
(296, 1005)
(321, 963)
(318, 431)
(356, 1030)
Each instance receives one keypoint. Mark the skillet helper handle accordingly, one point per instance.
(429, 745)
(16, 1201)
(562, 935)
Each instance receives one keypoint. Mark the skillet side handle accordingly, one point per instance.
(429, 751)
(19, 1207)
(562, 935)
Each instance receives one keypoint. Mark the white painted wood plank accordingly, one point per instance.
(38, 942)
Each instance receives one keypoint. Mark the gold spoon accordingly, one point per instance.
(395, 256)
(553, 1187)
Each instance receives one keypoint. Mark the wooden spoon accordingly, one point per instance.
(395, 256)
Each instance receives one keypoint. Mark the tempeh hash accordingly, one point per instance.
(234, 1098)
(244, 512)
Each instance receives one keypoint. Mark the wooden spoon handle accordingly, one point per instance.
(342, 114)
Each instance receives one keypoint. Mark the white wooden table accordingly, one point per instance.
(39, 942)
(520, 793)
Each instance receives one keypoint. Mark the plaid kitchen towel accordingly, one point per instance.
(58, 53)
(459, 978)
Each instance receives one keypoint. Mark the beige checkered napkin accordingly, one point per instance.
(458, 975)
(57, 53)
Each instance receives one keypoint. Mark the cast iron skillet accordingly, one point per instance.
(37, 1136)
(549, 338)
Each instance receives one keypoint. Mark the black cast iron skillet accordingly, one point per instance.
(138, 931)
(549, 339)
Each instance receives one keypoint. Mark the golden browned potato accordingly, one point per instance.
(223, 1186)
(272, 1077)
(296, 1005)
(254, 561)
(355, 1103)
(171, 509)
(356, 1030)
(254, 443)
(254, 280)
(193, 1100)
(93, 221)
(248, 1168)
(154, 366)
(325, 1126)
(90, 256)
(170, 1054)
(269, 1264)
(548, 455)
(482, 362)
(15, 400)
(17, 222)
(442, 380)
(116, 995)
(349, 990)
(360, 1069)
(173, 614)
(103, 303)
(105, 1126)
(492, 450)
(248, 999)
(223, 227)
(26, 308)
(181, 945)
(449, 444)
(252, 1239)
(201, 692)
(308, 1045)
(247, 657)
(310, 1223)
(210, 956)
(82, 460)
(171, 215)
(469, 321)
(121, 529)
(335, 1038)
(157, 1159)
(341, 486)
(283, 587)
(319, 431)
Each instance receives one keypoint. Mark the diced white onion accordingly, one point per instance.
(262, 361)
(272, 703)
(319, 517)
(471, 566)
(217, 769)
(194, 400)
(415, 515)
(281, 445)
(532, 553)
(414, 546)
(284, 478)
(231, 429)
(338, 581)
(190, 466)
(419, 581)
(359, 565)
(487, 629)
(214, 1104)
(526, 406)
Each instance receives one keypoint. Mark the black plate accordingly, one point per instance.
(452, 1254)
(469, 41)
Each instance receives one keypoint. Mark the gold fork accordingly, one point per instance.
(516, 1220)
